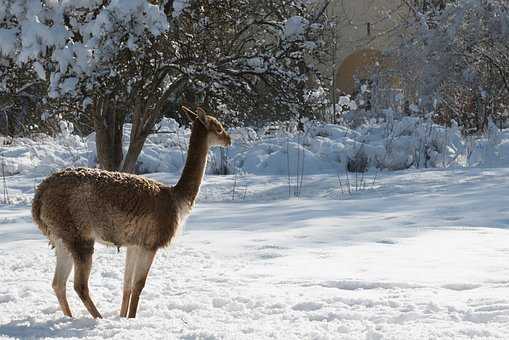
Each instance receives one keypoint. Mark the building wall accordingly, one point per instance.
(365, 24)
(365, 30)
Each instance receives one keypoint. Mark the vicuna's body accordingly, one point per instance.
(76, 207)
(110, 207)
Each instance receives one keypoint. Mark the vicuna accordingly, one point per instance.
(76, 207)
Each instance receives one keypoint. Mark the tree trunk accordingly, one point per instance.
(145, 117)
(108, 128)
(137, 138)
(135, 147)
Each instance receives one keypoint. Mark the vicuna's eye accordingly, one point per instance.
(219, 131)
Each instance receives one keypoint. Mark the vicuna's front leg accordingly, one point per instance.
(138, 262)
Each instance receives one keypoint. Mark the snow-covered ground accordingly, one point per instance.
(418, 254)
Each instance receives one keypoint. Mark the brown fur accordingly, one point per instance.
(81, 205)
(78, 205)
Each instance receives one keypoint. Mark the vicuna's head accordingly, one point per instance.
(216, 134)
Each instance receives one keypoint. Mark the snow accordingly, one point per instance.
(420, 254)
(414, 254)
(179, 6)
(7, 41)
(295, 27)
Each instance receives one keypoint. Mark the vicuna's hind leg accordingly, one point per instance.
(143, 262)
(82, 266)
(62, 271)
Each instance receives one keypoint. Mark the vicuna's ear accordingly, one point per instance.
(189, 113)
(202, 116)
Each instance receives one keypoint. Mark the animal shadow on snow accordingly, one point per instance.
(28, 328)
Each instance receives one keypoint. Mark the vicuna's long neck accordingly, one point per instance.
(192, 175)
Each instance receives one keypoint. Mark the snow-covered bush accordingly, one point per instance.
(359, 162)
(320, 148)
(457, 63)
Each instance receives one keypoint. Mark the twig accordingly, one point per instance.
(374, 179)
(348, 181)
(234, 185)
(245, 192)
(288, 167)
(4, 182)
(340, 185)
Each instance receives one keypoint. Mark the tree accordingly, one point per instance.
(226, 56)
(460, 58)
(119, 61)
(22, 99)
(80, 50)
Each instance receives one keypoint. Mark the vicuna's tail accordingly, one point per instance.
(36, 209)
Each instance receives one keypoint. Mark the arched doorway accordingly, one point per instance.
(368, 73)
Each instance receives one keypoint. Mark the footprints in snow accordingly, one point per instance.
(270, 251)
(307, 306)
(267, 251)
(5, 297)
(386, 242)
(461, 286)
